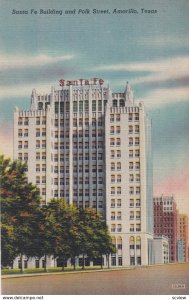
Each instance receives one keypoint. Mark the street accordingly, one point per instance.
(154, 280)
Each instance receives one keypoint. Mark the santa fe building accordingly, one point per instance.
(93, 148)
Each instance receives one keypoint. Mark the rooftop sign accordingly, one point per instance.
(80, 82)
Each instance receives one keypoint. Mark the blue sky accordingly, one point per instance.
(151, 51)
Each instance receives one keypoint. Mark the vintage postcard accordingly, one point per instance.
(94, 147)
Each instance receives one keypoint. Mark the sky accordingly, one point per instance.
(150, 50)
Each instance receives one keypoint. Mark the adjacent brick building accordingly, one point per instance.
(165, 222)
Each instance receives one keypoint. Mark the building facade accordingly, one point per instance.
(182, 236)
(93, 148)
(161, 249)
(165, 222)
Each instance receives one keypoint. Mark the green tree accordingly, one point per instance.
(100, 239)
(20, 201)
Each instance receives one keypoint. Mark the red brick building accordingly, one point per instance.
(165, 222)
(182, 232)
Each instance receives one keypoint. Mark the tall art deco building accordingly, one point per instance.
(92, 147)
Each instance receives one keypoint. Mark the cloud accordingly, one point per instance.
(164, 96)
(8, 62)
(177, 185)
(21, 90)
(164, 41)
(160, 70)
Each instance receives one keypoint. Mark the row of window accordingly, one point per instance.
(85, 122)
(118, 227)
(86, 192)
(86, 157)
(85, 133)
(25, 121)
(23, 156)
(40, 168)
(40, 180)
(132, 190)
(133, 215)
(22, 144)
(115, 117)
(81, 145)
(22, 132)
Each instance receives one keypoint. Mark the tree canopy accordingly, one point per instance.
(56, 229)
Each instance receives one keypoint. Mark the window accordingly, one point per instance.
(112, 178)
(132, 260)
(80, 106)
(118, 203)
(130, 141)
(75, 106)
(112, 190)
(112, 130)
(118, 153)
(131, 215)
(136, 141)
(37, 168)
(119, 243)
(137, 177)
(137, 202)
(138, 215)
(43, 144)
(119, 178)
(19, 156)
(131, 190)
(118, 118)
(112, 166)
(20, 132)
(118, 166)
(122, 102)
(20, 121)
(37, 181)
(112, 142)
(26, 144)
(119, 228)
(112, 153)
(137, 165)
(114, 103)
(131, 227)
(139, 260)
(113, 227)
(131, 204)
(118, 141)
(130, 117)
(119, 215)
(136, 117)
(136, 128)
(37, 132)
(130, 153)
(137, 190)
(100, 105)
(93, 105)
(119, 190)
(112, 203)
(131, 177)
(112, 215)
(113, 261)
(130, 129)
(119, 260)
(118, 130)
(25, 132)
(26, 156)
(138, 227)
(111, 118)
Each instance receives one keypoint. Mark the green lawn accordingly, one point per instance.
(41, 270)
